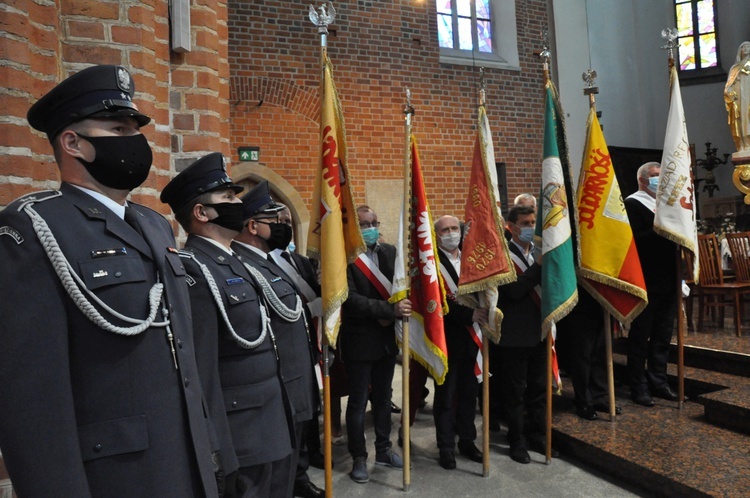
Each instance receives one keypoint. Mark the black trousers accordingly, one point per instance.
(455, 401)
(581, 350)
(648, 343)
(376, 378)
(524, 374)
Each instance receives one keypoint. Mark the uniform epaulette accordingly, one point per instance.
(185, 253)
(34, 197)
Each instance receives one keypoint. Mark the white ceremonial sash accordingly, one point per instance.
(474, 331)
(374, 275)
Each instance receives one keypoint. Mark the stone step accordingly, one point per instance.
(717, 380)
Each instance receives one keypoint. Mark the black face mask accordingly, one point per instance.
(281, 235)
(121, 162)
(230, 215)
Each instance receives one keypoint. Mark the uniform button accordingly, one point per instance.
(179, 343)
(118, 274)
(244, 294)
(97, 448)
(186, 381)
(234, 404)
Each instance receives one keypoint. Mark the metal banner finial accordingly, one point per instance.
(669, 34)
(589, 77)
(408, 108)
(323, 16)
(482, 87)
(545, 54)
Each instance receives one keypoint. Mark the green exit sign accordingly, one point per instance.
(249, 153)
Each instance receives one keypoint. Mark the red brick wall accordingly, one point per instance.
(185, 94)
(378, 50)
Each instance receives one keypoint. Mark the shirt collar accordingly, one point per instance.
(118, 209)
(254, 249)
(217, 244)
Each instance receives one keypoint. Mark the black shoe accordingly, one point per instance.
(539, 445)
(587, 412)
(394, 408)
(664, 392)
(317, 460)
(308, 490)
(643, 399)
(470, 451)
(447, 459)
(425, 393)
(519, 454)
(604, 408)
(359, 470)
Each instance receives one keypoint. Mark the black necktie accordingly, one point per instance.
(288, 258)
(131, 218)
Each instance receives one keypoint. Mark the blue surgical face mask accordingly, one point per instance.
(653, 183)
(526, 235)
(370, 235)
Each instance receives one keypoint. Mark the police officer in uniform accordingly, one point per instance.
(262, 234)
(98, 379)
(237, 357)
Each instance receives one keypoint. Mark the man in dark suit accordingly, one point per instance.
(581, 350)
(262, 234)
(237, 356)
(522, 352)
(651, 331)
(456, 399)
(98, 379)
(368, 346)
(301, 270)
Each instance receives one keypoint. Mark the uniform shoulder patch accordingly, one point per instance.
(13, 233)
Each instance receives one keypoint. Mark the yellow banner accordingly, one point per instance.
(334, 238)
(610, 266)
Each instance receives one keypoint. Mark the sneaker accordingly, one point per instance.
(359, 470)
(390, 459)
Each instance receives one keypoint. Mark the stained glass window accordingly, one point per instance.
(465, 25)
(696, 34)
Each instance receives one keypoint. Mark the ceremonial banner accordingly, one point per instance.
(334, 237)
(427, 292)
(675, 205)
(559, 292)
(485, 260)
(610, 268)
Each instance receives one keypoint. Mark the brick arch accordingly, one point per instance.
(275, 91)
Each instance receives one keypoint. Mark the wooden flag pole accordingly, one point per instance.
(545, 56)
(589, 76)
(322, 18)
(548, 431)
(405, 346)
(485, 349)
(681, 322)
(610, 365)
(485, 406)
(670, 35)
